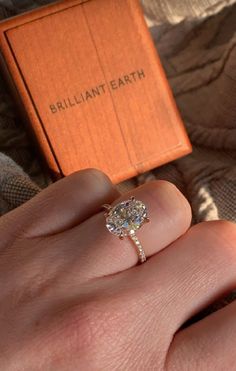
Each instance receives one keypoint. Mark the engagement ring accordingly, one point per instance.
(125, 218)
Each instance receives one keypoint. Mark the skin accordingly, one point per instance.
(74, 298)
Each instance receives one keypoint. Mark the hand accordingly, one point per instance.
(73, 298)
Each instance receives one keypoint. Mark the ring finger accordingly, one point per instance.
(100, 253)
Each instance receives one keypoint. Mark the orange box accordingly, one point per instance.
(89, 81)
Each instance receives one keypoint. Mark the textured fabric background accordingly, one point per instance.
(196, 41)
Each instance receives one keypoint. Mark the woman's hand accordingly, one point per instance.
(73, 298)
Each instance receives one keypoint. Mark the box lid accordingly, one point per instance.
(93, 87)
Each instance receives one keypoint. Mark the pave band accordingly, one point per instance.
(140, 250)
(124, 219)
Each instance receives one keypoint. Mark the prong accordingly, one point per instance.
(107, 207)
(147, 220)
(121, 236)
(132, 198)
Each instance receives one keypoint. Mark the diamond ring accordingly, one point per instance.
(124, 219)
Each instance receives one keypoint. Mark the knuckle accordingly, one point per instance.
(156, 187)
(92, 323)
(155, 184)
(89, 324)
(185, 354)
(94, 173)
(225, 227)
(220, 229)
(172, 202)
(96, 329)
(221, 235)
(173, 191)
(218, 226)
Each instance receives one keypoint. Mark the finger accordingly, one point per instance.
(207, 345)
(193, 272)
(100, 253)
(64, 204)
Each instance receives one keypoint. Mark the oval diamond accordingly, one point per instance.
(125, 217)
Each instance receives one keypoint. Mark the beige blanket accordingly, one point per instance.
(196, 40)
